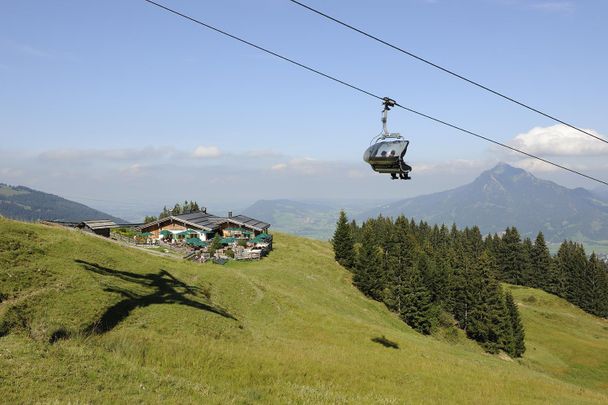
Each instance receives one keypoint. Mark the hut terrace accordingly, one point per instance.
(205, 226)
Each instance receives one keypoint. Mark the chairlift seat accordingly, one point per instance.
(386, 156)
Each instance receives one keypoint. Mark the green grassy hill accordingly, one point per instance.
(87, 320)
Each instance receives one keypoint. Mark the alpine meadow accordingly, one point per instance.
(85, 319)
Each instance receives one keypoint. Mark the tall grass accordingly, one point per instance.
(287, 329)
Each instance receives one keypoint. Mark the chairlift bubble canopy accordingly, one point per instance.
(387, 153)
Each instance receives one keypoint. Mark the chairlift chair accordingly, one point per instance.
(387, 151)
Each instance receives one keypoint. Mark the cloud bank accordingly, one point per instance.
(560, 140)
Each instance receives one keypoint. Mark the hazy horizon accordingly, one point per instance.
(123, 107)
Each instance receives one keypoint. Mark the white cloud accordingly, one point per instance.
(207, 152)
(106, 154)
(560, 140)
(279, 166)
(308, 167)
(134, 169)
(7, 172)
(535, 165)
(262, 153)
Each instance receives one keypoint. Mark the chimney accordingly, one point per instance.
(229, 214)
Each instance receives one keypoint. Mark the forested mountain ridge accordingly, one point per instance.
(26, 204)
(507, 196)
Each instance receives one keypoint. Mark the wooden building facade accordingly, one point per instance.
(206, 226)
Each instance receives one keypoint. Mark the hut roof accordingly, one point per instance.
(99, 224)
(251, 223)
(207, 222)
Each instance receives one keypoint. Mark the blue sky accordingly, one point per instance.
(116, 100)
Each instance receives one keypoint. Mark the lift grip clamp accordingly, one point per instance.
(388, 103)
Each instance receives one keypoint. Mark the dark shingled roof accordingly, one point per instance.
(211, 222)
(249, 222)
(99, 224)
(201, 219)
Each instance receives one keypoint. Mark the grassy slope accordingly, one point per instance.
(301, 334)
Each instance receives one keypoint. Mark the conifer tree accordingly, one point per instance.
(527, 271)
(487, 320)
(540, 262)
(462, 299)
(367, 274)
(519, 346)
(572, 263)
(510, 258)
(216, 243)
(165, 213)
(596, 287)
(398, 260)
(343, 242)
(416, 306)
(354, 231)
(149, 218)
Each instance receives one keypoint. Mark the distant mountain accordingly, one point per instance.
(26, 204)
(310, 218)
(300, 218)
(506, 196)
(601, 192)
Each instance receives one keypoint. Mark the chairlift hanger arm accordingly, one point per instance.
(388, 103)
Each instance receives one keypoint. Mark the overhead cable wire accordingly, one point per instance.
(446, 70)
(369, 93)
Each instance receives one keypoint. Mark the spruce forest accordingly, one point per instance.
(435, 276)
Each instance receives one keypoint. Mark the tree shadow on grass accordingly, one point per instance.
(385, 342)
(166, 290)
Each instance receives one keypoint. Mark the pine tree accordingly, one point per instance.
(527, 272)
(510, 257)
(487, 321)
(540, 262)
(571, 264)
(399, 257)
(149, 218)
(462, 293)
(416, 306)
(165, 213)
(367, 272)
(216, 243)
(519, 346)
(343, 242)
(596, 287)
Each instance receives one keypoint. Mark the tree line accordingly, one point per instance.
(178, 209)
(570, 274)
(427, 273)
